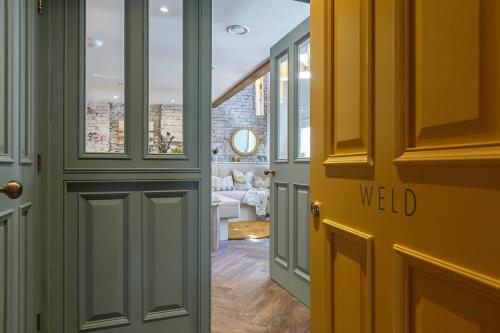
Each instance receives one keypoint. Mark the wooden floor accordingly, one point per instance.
(245, 299)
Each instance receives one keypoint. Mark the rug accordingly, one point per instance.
(248, 230)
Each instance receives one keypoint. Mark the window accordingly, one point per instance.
(105, 76)
(165, 77)
(259, 97)
(303, 100)
(282, 141)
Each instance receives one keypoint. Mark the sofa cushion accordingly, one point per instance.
(236, 195)
(243, 181)
(228, 208)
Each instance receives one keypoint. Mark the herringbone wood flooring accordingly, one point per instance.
(245, 299)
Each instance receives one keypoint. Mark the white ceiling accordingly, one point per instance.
(233, 55)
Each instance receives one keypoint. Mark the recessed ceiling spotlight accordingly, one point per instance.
(237, 29)
(94, 43)
(164, 9)
(115, 97)
(172, 101)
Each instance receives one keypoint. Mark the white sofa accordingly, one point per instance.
(229, 209)
(246, 213)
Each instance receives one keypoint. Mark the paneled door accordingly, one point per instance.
(18, 220)
(130, 165)
(405, 121)
(290, 152)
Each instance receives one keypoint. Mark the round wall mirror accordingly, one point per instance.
(244, 141)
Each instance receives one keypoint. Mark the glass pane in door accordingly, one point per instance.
(282, 142)
(105, 76)
(165, 125)
(303, 103)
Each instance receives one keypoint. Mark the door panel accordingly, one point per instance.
(350, 124)
(27, 80)
(290, 148)
(436, 296)
(5, 217)
(19, 241)
(301, 231)
(27, 272)
(351, 283)
(5, 111)
(104, 269)
(425, 207)
(133, 267)
(130, 166)
(281, 230)
(165, 243)
(448, 117)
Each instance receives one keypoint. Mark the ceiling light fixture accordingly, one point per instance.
(115, 97)
(94, 43)
(106, 76)
(172, 101)
(164, 9)
(237, 29)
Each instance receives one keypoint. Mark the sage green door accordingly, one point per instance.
(130, 118)
(19, 221)
(290, 152)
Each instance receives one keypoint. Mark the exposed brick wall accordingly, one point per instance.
(165, 119)
(236, 112)
(102, 124)
(104, 120)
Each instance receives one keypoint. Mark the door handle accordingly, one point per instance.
(315, 208)
(13, 189)
(268, 172)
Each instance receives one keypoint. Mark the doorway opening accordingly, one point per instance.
(260, 166)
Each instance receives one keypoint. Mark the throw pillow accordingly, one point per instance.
(222, 183)
(261, 182)
(243, 181)
(215, 182)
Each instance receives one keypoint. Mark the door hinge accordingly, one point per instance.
(39, 163)
(38, 323)
(40, 6)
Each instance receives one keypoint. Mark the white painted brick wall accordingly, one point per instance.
(236, 112)
(103, 119)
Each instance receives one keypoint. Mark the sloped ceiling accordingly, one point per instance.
(235, 56)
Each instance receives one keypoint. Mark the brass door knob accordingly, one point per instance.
(315, 208)
(13, 189)
(267, 172)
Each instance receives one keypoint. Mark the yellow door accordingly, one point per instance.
(405, 115)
